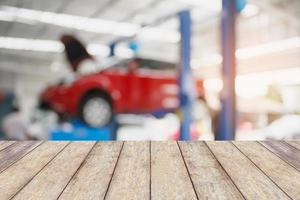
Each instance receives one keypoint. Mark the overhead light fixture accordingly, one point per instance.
(70, 21)
(268, 48)
(250, 52)
(30, 44)
(87, 24)
(52, 46)
(47, 46)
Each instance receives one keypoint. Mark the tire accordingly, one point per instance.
(96, 110)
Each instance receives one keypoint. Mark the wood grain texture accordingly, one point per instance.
(4, 144)
(295, 143)
(210, 180)
(249, 179)
(131, 179)
(14, 152)
(285, 152)
(51, 181)
(91, 182)
(284, 175)
(149, 170)
(21, 172)
(169, 177)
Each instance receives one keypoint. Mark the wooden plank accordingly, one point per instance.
(294, 143)
(14, 152)
(169, 177)
(21, 172)
(284, 175)
(4, 144)
(210, 180)
(247, 177)
(51, 181)
(131, 179)
(285, 152)
(91, 182)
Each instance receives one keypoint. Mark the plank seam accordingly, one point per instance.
(291, 145)
(20, 156)
(187, 170)
(262, 171)
(7, 146)
(235, 185)
(39, 171)
(108, 186)
(150, 195)
(279, 156)
(78, 169)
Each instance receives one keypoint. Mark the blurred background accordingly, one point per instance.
(149, 70)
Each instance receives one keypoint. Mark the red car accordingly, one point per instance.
(133, 86)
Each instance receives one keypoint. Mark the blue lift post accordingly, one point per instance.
(227, 123)
(186, 84)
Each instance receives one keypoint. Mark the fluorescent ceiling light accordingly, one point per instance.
(94, 25)
(70, 21)
(268, 48)
(30, 44)
(45, 45)
(250, 52)
(57, 47)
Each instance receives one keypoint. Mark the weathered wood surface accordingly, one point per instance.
(249, 179)
(285, 151)
(150, 170)
(169, 177)
(210, 179)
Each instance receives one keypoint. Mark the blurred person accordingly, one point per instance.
(81, 62)
(15, 126)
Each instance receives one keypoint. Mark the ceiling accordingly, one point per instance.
(268, 21)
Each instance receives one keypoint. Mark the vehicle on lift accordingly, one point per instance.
(131, 86)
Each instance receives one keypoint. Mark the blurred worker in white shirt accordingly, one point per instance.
(14, 125)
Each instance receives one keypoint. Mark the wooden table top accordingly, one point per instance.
(150, 170)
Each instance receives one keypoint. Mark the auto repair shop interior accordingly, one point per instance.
(149, 70)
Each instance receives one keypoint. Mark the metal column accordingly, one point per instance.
(186, 84)
(227, 123)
